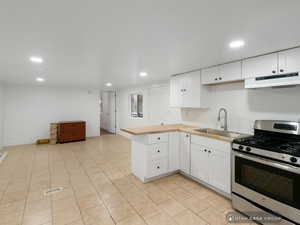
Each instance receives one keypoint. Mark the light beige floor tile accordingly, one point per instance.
(89, 201)
(135, 220)
(13, 207)
(121, 212)
(160, 219)
(189, 218)
(148, 209)
(196, 205)
(213, 217)
(14, 218)
(64, 203)
(37, 218)
(66, 216)
(172, 207)
(180, 194)
(13, 197)
(36, 206)
(95, 213)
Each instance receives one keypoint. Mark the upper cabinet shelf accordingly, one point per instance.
(186, 91)
(224, 73)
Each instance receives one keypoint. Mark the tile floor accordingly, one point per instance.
(98, 189)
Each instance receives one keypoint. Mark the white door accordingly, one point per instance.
(230, 72)
(191, 89)
(185, 153)
(176, 91)
(219, 164)
(210, 75)
(289, 61)
(260, 66)
(108, 111)
(174, 142)
(199, 162)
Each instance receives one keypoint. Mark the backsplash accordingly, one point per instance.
(244, 106)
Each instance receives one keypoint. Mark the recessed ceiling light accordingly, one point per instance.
(143, 74)
(36, 59)
(237, 44)
(40, 79)
(108, 84)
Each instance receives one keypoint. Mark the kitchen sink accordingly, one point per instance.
(223, 133)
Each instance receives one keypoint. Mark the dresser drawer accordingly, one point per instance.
(158, 150)
(158, 138)
(157, 167)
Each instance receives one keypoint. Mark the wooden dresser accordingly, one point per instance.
(68, 131)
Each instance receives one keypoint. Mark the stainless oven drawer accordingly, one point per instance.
(255, 194)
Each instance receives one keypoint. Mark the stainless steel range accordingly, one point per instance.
(266, 171)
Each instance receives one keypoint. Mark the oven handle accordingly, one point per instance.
(269, 162)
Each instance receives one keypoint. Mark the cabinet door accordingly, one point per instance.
(260, 66)
(191, 89)
(219, 164)
(176, 91)
(230, 72)
(210, 75)
(185, 156)
(289, 61)
(199, 162)
(174, 142)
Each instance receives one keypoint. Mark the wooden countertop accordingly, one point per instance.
(155, 129)
(173, 127)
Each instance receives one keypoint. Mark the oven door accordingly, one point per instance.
(271, 184)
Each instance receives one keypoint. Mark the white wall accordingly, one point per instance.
(1, 115)
(244, 107)
(29, 110)
(155, 107)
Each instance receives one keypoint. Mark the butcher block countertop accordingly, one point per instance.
(173, 127)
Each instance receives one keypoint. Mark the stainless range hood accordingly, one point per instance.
(281, 80)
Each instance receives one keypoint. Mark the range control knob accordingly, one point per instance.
(293, 159)
(248, 149)
(241, 147)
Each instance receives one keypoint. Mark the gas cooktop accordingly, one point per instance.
(286, 146)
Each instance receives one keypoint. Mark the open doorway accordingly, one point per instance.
(108, 113)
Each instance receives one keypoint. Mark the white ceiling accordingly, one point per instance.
(90, 42)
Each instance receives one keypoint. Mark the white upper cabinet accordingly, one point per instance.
(176, 91)
(223, 73)
(289, 61)
(210, 75)
(186, 91)
(260, 66)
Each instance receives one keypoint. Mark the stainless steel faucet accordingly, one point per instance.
(225, 124)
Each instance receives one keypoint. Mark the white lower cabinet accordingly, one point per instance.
(204, 158)
(219, 175)
(157, 167)
(199, 162)
(185, 153)
(174, 151)
(210, 162)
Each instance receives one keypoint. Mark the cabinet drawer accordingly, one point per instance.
(158, 138)
(211, 143)
(157, 167)
(158, 150)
